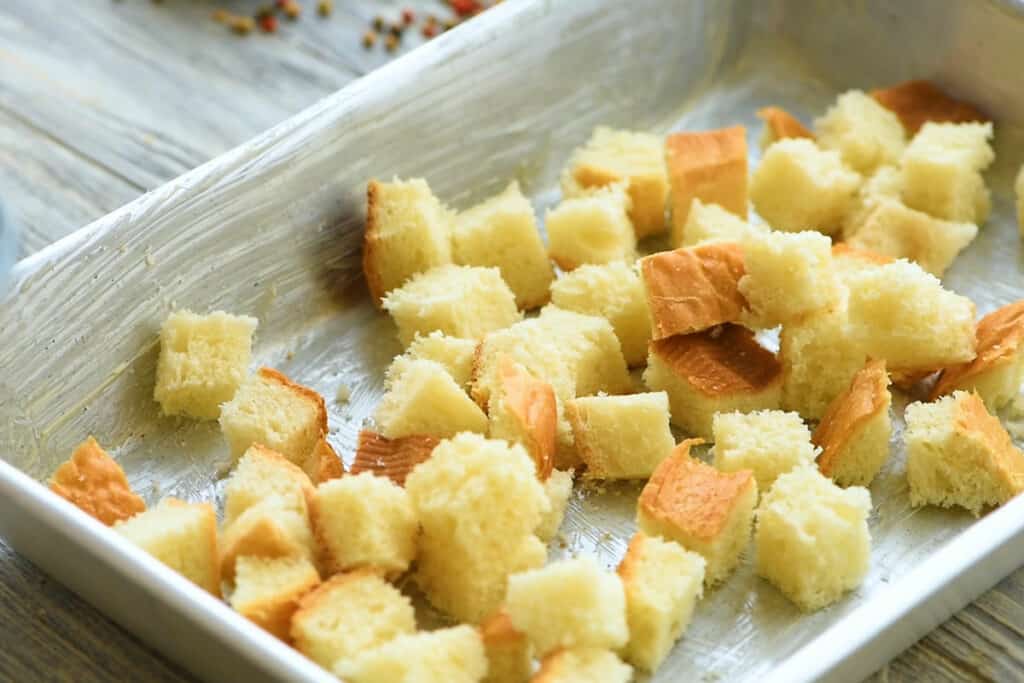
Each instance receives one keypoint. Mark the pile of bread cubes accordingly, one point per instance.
(516, 379)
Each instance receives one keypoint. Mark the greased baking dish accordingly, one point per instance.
(273, 229)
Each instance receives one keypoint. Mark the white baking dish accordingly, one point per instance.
(273, 229)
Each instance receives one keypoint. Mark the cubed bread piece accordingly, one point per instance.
(270, 528)
(942, 171)
(901, 314)
(272, 410)
(478, 502)
(558, 488)
(455, 354)
(449, 655)
(894, 230)
(720, 370)
(885, 184)
(502, 232)
(779, 124)
(1019, 189)
(767, 442)
(426, 400)
(569, 603)
(260, 474)
(591, 228)
(848, 260)
(408, 231)
(583, 665)
(203, 360)
(663, 583)
(621, 437)
(509, 655)
(460, 301)
(391, 458)
(799, 186)
(710, 166)
(364, 521)
(702, 509)
(268, 590)
(854, 432)
(614, 292)
(323, 464)
(348, 615)
(708, 223)
(788, 276)
(996, 373)
(94, 482)
(693, 288)
(523, 410)
(959, 454)
(866, 134)
(812, 538)
(917, 102)
(181, 535)
(619, 156)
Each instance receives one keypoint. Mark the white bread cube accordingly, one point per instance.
(886, 183)
(268, 590)
(524, 410)
(478, 502)
(449, 655)
(866, 134)
(502, 232)
(918, 102)
(591, 228)
(93, 481)
(393, 459)
(767, 442)
(799, 186)
(583, 665)
(779, 124)
(710, 166)
(408, 231)
(1019, 190)
(425, 400)
(181, 535)
(349, 614)
(558, 488)
(942, 171)
(270, 528)
(260, 474)
(960, 454)
(455, 354)
(460, 301)
(364, 521)
(663, 583)
(621, 437)
(707, 223)
(203, 360)
(509, 655)
(633, 159)
(271, 410)
(812, 538)
(537, 605)
(614, 292)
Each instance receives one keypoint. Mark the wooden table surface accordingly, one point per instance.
(102, 100)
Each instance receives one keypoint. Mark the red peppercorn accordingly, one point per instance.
(429, 30)
(281, 3)
(408, 16)
(268, 23)
(465, 8)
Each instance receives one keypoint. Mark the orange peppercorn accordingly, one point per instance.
(268, 23)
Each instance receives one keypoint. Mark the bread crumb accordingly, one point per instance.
(344, 393)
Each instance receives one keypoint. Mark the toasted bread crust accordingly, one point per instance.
(843, 250)
(294, 471)
(866, 397)
(498, 631)
(274, 614)
(709, 165)
(96, 484)
(630, 563)
(531, 402)
(782, 124)
(262, 539)
(1007, 462)
(917, 102)
(1000, 335)
(323, 464)
(391, 458)
(306, 393)
(370, 246)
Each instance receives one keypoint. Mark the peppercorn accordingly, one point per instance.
(465, 8)
(369, 39)
(325, 7)
(268, 23)
(292, 9)
(378, 23)
(391, 42)
(429, 30)
(241, 25)
(408, 16)
(396, 30)
(450, 24)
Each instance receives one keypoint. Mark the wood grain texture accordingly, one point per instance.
(100, 101)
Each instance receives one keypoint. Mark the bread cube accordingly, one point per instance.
(769, 443)
(614, 292)
(93, 481)
(854, 432)
(621, 437)
(323, 464)
(917, 102)
(268, 590)
(885, 184)
(788, 276)
(866, 134)
(619, 156)
(704, 510)
(1019, 190)
(408, 231)
(707, 223)
(899, 313)
(478, 502)
(502, 232)
(364, 521)
(799, 186)
(710, 166)
(998, 370)
(848, 260)
(583, 664)
(779, 124)
(391, 458)
(271, 410)
(181, 535)
(812, 538)
(591, 228)
(348, 615)
(960, 454)
(260, 474)
(694, 288)
(267, 529)
(663, 583)
(523, 410)
(557, 488)
(721, 370)
(537, 601)
(460, 301)
(426, 400)
(942, 171)
(509, 656)
(203, 360)
(455, 354)
(449, 655)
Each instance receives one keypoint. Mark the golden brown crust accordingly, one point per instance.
(323, 464)
(782, 124)
(629, 565)
(476, 371)
(709, 165)
(391, 458)
(294, 471)
(1000, 335)
(917, 102)
(370, 247)
(1007, 462)
(694, 288)
(498, 631)
(313, 600)
(551, 667)
(843, 250)
(865, 398)
(274, 614)
(305, 392)
(263, 538)
(531, 402)
(96, 484)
